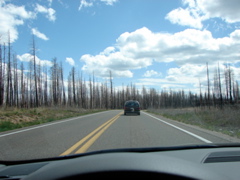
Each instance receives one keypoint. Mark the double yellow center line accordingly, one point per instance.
(90, 138)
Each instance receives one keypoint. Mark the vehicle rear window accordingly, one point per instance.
(132, 104)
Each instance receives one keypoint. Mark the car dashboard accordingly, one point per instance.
(191, 162)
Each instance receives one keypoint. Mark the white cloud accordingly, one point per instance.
(151, 73)
(84, 3)
(50, 13)
(39, 34)
(138, 49)
(11, 17)
(28, 57)
(226, 10)
(70, 61)
(191, 49)
(198, 11)
(190, 45)
(119, 64)
(189, 76)
(90, 3)
(184, 17)
(184, 77)
(108, 51)
(109, 2)
(160, 82)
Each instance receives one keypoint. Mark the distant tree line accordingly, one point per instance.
(39, 86)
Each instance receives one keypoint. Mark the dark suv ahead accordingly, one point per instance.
(132, 107)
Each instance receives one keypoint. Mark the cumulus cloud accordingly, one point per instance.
(185, 76)
(163, 83)
(140, 48)
(119, 64)
(108, 51)
(185, 17)
(197, 11)
(189, 76)
(11, 17)
(39, 34)
(180, 76)
(28, 57)
(50, 12)
(226, 10)
(190, 45)
(70, 61)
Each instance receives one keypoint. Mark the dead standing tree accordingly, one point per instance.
(9, 88)
(111, 89)
(2, 67)
(35, 71)
(208, 87)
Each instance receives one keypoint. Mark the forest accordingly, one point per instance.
(40, 86)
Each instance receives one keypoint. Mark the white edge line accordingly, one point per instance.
(192, 134)
(49, 124)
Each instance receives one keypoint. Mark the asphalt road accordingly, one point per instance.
(105, 130)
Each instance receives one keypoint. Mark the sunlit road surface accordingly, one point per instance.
(104, 130)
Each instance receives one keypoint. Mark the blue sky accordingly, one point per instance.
(156, 43)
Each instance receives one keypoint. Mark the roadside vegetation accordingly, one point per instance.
(225, 120)
(14, 118)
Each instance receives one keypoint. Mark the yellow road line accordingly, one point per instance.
(75, 146)
(85, 147)
(79, 143)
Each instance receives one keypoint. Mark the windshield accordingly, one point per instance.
(67, 68)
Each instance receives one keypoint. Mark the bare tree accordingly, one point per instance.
(1, 76)
(22, 88)
(236, 92)
(93, 92)
(74, 86)
(15, 81)
(200, 94)
(70, 89)
(220, 87)
(111, 89)
(45, 91)
(90, 93)
(33, 89)
(35, 71)
(230, 76)
(208, 85)
(62, 86)
(81, 91)
(9, 90)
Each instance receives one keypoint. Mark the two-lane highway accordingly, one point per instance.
(104, 130)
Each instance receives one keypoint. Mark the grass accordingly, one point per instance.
(18, 118)
(7, 125)
(226, 120)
